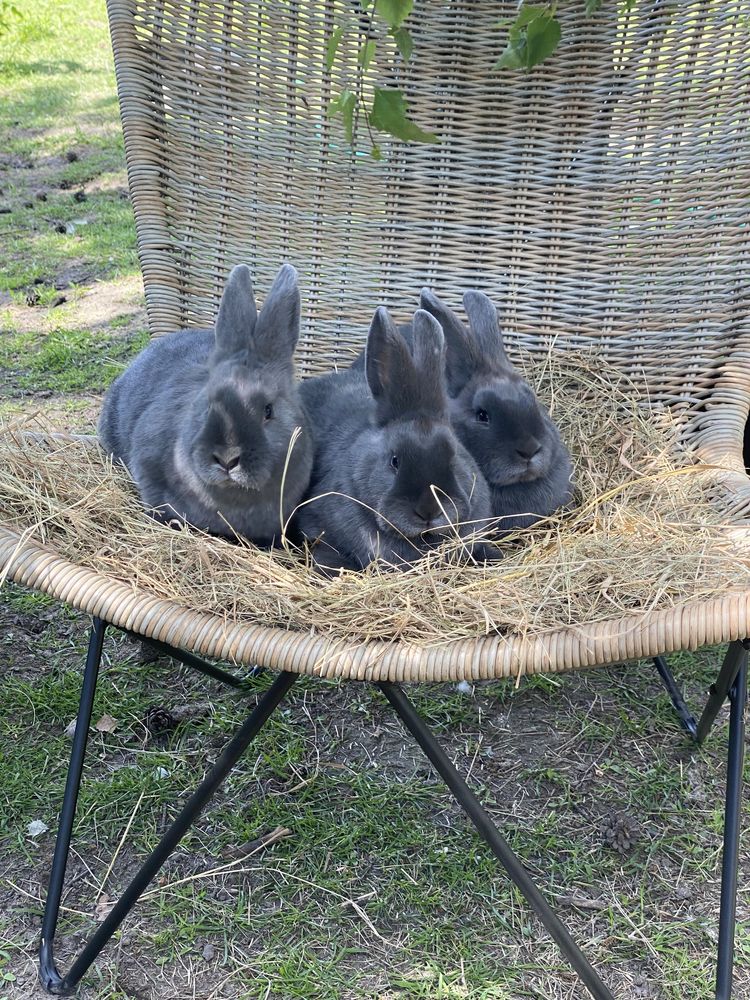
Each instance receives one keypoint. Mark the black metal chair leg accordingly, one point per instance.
(730, 858)
(687, 720)
(51, 978)
(202, 666)
(47, 971)
(473, 808)
(719, 691)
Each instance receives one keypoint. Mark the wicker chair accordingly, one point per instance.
(601, 199)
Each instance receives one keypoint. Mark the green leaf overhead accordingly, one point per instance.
(592, 6)
(542, 38)
(404, 42)
(533, 36)
(389, 114)
(344, 105)
(394, 12)
(333, 46)
(366, 54)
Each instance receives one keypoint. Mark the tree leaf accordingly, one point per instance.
(389, 114)
(542, 38)
(402, 38)
(366, 53)
(106, 724)
(333, 46)
(344, 105)
(533, 36)
(394, 12)
(592, 6)
(530, 12)
(376, 152)
(513, 57)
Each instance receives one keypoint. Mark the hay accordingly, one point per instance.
(644, 535)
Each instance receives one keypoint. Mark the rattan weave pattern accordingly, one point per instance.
(689, 626)
(601, 199)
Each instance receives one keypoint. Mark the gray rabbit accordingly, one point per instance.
(499, 419)
(390, 479)
(204, 419)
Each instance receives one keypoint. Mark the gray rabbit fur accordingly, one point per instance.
(203, 419)
(497, 417)
(390, 478)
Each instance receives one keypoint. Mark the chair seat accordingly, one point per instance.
(619, 577)
(689, 626)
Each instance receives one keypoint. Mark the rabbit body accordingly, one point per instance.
(497, 416)
(390, 478)
(203, 419)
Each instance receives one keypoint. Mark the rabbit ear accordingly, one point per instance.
(388, 363)
(429, 354)
(485, 327)
(277, 329)
(237, 313)
(461, 356)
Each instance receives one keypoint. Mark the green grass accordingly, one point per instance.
(56, 107)
(68, 360)
(369, 823)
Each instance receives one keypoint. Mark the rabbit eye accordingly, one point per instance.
(483, 416)
(268, 411)
(394, 462)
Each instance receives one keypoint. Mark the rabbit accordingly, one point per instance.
(497, 417)
(390, 478)
(204, 419)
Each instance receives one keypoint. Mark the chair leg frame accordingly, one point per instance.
(731, 683)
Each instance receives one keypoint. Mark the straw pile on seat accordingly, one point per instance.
(644, 534)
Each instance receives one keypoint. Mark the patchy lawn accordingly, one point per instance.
(375, 886)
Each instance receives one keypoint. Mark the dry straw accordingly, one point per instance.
(643, 535)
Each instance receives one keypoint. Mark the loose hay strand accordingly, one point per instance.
(644, 534)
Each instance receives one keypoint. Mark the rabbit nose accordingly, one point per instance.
(427, 510)
(529, 449)
(227, 458)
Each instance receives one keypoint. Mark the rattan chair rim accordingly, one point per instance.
(686, 627)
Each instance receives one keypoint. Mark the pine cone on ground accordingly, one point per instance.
(620, 832)
(159, 720)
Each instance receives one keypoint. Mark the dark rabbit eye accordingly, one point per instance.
(483, 416)
(394, 462)
(268, 412)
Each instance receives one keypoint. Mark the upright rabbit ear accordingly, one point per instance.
(461, 356)
(388, 363)
(485, 327)
(237, 313)
(429, 356)
(277, 329)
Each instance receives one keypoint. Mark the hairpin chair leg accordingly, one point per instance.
(686, 717)
(202, 666)
(732, 812)
(471, 805)
(50, 977)
(47, 971)
(731, 682)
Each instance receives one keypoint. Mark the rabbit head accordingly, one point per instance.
(493, 409)
(242, 421)
(412, 468)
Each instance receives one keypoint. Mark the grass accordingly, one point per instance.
(369, 825)
(380, 889)
(61, 129)
(68, 360)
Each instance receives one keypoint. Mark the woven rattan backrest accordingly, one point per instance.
(604, 195)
